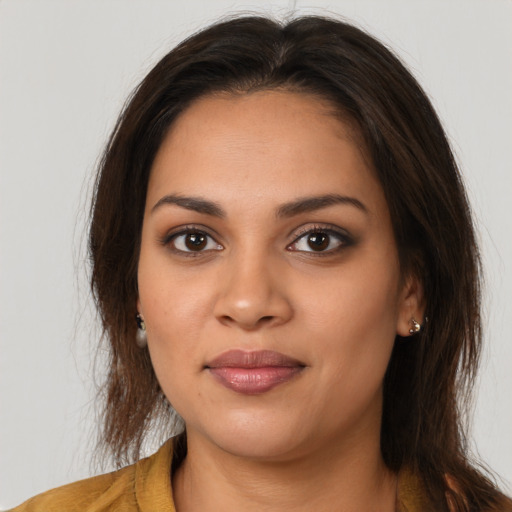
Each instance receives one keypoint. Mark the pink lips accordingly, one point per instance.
(253, 373)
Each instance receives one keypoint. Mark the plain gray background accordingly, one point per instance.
(66, 68)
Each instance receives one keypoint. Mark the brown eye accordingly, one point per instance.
(318, 241)
(322, 241)
(195, 241)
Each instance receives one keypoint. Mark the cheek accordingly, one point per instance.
(171, 297)
(175, 308)
(173, 330)
(353, 315)
(361, 300)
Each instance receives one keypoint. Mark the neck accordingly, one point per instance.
(335, 478)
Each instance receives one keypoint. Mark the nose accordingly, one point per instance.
(253, 295)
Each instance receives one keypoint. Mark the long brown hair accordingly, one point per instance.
(429, 379)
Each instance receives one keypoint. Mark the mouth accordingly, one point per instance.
(253, 372)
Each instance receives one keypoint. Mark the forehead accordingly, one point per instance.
(271, 145)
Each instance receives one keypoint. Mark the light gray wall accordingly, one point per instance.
(65, 70)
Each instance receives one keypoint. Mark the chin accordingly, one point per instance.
(252, 437)
(259, 446)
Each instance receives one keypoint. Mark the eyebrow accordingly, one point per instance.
(195, 204)
(313, 203)
(296, 207)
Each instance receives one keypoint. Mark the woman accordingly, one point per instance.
(282, 249)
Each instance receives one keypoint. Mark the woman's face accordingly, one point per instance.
(269, 278)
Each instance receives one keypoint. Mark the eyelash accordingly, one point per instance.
(170, 239)
(344, 239)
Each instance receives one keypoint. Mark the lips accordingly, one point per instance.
(253, 372)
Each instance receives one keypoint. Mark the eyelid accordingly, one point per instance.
(174, 233)
(330, 229)
(346, 239)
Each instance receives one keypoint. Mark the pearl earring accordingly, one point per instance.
(416, 327)
(140, 338)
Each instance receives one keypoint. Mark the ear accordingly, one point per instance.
(411, 306)
(139, 307)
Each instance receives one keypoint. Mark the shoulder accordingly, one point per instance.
(413, 496)
(496, 501)
(137, 487)
(85, 494)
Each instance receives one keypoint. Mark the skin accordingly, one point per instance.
(311, 443)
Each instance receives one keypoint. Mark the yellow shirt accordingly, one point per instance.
(146, 487)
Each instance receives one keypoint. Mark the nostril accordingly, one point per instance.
(265, 320)
(248, 323)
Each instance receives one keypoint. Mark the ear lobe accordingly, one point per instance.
(411, 308)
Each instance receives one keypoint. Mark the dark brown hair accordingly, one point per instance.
(429, 378)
